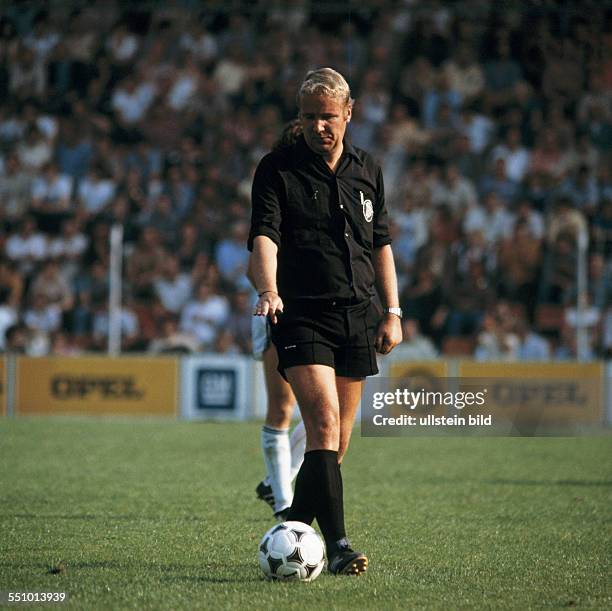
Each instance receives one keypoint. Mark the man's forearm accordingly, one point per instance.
(386, 278)
(262, 265)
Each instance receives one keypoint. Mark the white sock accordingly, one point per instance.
(297, 442)
(277, 458)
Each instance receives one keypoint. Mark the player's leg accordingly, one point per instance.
(275, 433)
(297, 443)
(318, 487)
(349, 396)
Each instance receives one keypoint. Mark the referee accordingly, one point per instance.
(320, 247)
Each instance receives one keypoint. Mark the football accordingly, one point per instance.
(292, 550)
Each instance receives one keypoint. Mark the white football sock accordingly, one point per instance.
(297, 442)
(277, 458)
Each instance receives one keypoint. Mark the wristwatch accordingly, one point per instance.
(397, 311)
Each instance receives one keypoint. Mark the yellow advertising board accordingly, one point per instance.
(2, 386)
(541, 393)
(427, 369)
(97, 385)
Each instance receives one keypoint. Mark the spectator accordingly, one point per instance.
(203, 316)
(27, 75)
(35, 151)
(464, 74)
(565, 219)
(91, 292)
(51, 192)
(95, 192)
(74, 150)
(494, 343)
(438, 95)
(16, 339)
(477, 127)
(62, 344)
(502, 74)
(26, 247)
(172, 286)
(470, 295)
(231, 255)
(532, 347)
(532, 219)
(225, 343)
(515, 155)
(499, 183)
(11, 291)
(129, 327)
(567, 349)
(581, 189)
(131, 101)
(51, 198)
(15, 190)
(172, 341)
(492, 219)
(51, 284)
(11, 286)
(144, 262)
(43, 315)
(455, 191)
(161, 217)
(190, 245)
(520, 258)
(547, 157)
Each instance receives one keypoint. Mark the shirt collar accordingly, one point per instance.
(305, 152)
(349, 149)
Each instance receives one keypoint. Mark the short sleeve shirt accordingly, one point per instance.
(326, 224)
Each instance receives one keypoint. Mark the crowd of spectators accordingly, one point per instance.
(493, 122)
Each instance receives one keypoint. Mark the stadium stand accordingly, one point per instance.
(494, 128)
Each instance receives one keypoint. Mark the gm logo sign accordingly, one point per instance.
(216, 389)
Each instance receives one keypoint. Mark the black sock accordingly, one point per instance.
(303, 507)
(318, 493)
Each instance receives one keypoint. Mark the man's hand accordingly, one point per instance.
(269, 304)
(389, 333)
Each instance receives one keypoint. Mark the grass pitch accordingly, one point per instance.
(162, 515)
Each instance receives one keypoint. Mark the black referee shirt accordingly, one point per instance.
(325, 224)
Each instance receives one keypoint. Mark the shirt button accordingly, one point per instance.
(346, 235)
(341, 206)
(333, 303)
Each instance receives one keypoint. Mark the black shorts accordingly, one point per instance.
(340, 336)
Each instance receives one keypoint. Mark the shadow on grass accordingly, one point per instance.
(214, 573)
(211, 579)
(169, 573)
(561, 482)
(91, 517)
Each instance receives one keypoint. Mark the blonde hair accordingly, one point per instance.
(328, 82)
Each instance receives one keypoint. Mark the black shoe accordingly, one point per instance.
(344, 561)
(265, 493)
(281, 515)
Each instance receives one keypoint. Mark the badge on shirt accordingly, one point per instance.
(368, 208)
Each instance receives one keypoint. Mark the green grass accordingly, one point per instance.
(162, 515)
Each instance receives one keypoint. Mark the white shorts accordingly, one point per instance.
(260, 336)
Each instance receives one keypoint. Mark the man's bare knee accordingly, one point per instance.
(323, 432)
